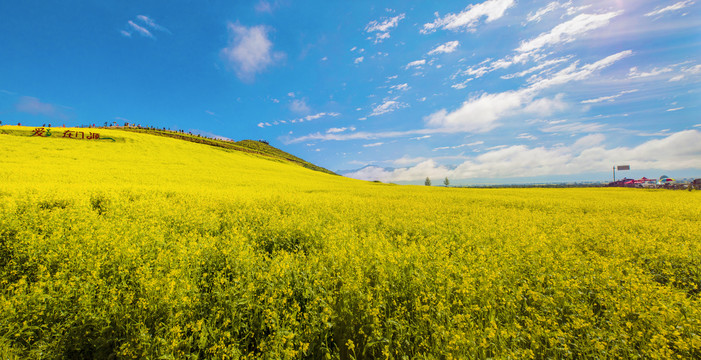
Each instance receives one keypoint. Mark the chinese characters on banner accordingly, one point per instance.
(71, 134)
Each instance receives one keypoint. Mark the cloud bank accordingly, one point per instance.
(677, 151)
(468, 18)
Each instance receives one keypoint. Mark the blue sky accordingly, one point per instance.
(477, 91)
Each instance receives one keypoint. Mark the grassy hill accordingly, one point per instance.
(139, 246)
(248, 146)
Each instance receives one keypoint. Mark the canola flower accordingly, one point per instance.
(149, 247)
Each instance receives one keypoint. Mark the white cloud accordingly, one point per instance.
(339, 130)
(359, 59)
(34, 106)
(545, 106)
(420, 171)
(249, 51)
(141, 26)
(400, 87)
(299, 106)
(571, 10)
(264, 7)
(382, 28)
(407, 160)
(461, 85)
(538, 15)
(468, 18)
(676, 109)
(479, 114)
(693, 70)
(300, 120)
(448, 47)
(139, 29)
(151, 23)
(385, 25)
(656, 73)
(587, 155)
(416, 64)
(541, 66)
(420, 137)
(373, 144)
(488, 65)
(696, 69)
(572, 73)
(386, 107)
(634, 73)
(526, 136)
(678, 6)
(475, 143)
(573, 128)
(567, 31)
(601, 99)
(362, 135)
(610, 98)
(588, 141)
(381, 36)
(318, 116)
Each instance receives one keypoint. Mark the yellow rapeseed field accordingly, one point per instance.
(151, 247)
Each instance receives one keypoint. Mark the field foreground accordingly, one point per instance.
(150, 247)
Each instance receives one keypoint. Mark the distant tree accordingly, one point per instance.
(446, 182)
(427, 182)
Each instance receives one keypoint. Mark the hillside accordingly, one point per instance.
(129, 245)
(248, 146)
